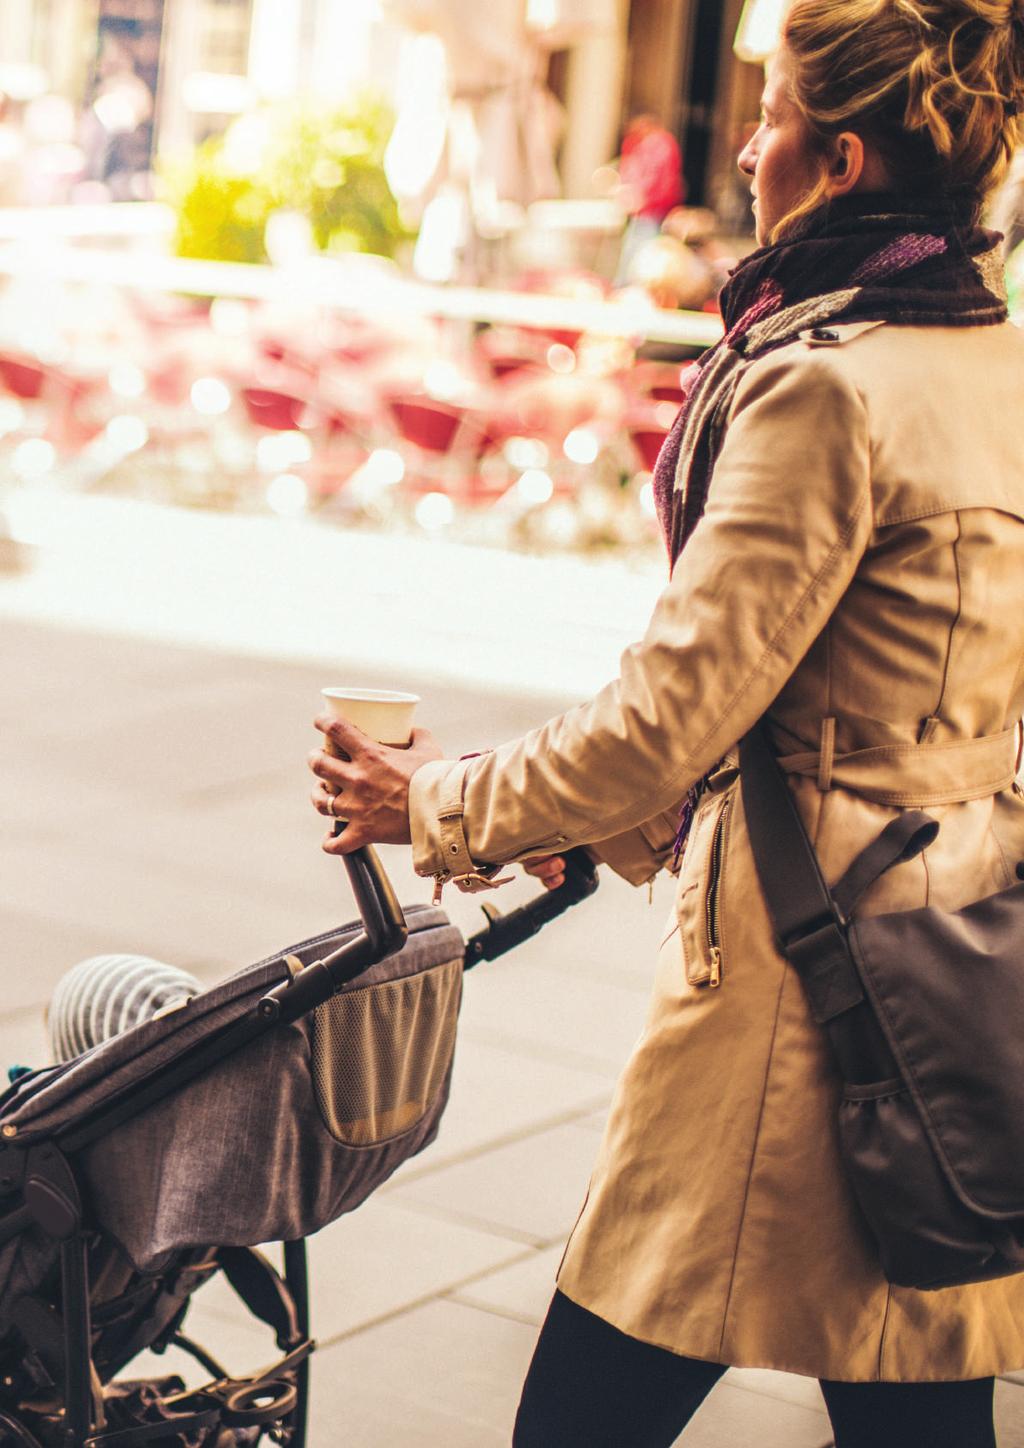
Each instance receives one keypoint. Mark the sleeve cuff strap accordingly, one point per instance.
(454, 850)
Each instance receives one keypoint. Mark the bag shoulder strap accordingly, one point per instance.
(902, 839)
(809, 919)
(794, 887)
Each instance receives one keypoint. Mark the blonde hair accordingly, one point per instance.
(933, 84)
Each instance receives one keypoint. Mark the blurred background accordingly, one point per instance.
(426, 266)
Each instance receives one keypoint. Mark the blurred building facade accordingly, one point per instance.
(140, 76)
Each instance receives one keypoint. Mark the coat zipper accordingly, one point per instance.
(711, 899)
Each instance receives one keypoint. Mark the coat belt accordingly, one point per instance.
(917, 775)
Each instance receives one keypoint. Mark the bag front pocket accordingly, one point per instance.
(699, 903)
(924, 1236)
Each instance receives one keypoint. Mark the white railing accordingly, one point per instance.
(41, 243)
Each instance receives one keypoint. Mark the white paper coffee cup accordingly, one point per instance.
(382, 713)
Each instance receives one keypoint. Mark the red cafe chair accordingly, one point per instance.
(22, 376)
(56, 394)
(276, 411)
(647, 440)
(334, 436)
(660, 381)
(443, 446)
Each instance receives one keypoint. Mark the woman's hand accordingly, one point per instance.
(368, 787)
(549, 870)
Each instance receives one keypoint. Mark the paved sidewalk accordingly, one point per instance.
(154, 799)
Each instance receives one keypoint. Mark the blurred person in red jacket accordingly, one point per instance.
(650, 184)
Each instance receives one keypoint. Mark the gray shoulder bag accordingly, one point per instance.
(924, 1011)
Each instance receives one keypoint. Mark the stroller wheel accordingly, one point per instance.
(259, 1403)
(19, 1433)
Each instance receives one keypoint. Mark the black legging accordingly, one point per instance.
(591, 1386)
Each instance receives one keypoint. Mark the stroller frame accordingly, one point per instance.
(274, 1399)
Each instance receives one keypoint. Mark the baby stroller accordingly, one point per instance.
(258, 1111)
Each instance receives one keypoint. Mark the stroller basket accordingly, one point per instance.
(259, 1111)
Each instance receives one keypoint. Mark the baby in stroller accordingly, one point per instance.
(182, 1127)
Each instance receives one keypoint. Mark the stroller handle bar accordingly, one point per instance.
(379, 909)
(384, 933)
(385, 929)
(505, 932)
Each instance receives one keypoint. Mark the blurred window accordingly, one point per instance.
(26, 30)
(224, 36)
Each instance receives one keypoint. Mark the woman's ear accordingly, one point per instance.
(846, 165)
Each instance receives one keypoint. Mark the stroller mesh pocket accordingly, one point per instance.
(381, 1054)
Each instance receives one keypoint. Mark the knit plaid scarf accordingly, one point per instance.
(856, 260)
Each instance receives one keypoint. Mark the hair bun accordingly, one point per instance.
(937, 85)
(944, 17)
(951, 13)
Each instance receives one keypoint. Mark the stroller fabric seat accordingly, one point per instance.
(280, 1138)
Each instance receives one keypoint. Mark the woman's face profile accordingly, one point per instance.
(779, 157)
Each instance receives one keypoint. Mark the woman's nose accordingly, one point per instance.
(747, 159)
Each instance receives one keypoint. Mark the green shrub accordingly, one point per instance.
(325, 162)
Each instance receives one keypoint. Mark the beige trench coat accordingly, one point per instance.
(860, 572)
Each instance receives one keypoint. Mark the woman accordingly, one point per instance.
(843, 496)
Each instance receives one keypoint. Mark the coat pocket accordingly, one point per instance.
(700, 889)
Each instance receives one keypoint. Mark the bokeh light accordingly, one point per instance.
(126, 379)
(561, 359)
(288, 495)
(279, 451)
(535, 487)
(582, 445)
(210, 396)
(526, 452)
(126, 433)
(12, 415)
(435, 511)
(33, 458)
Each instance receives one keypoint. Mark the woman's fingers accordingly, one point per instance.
(343, 843)
(337, 842)
(372, 780)
(335, 772)
(545, 866)
(345, 737)
(549, 869)
(323, 797)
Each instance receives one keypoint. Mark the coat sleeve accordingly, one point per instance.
(788, 518)
(639, 853)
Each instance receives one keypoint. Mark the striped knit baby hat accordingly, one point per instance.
(107, 994)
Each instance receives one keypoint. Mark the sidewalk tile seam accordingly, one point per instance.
(498, 1143)
(446, 1294)
(479, 1224)
(468, 1300)
(539, 1051)
(775, 1397)
(441, 1293)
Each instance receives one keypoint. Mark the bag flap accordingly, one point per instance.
(948, 989)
